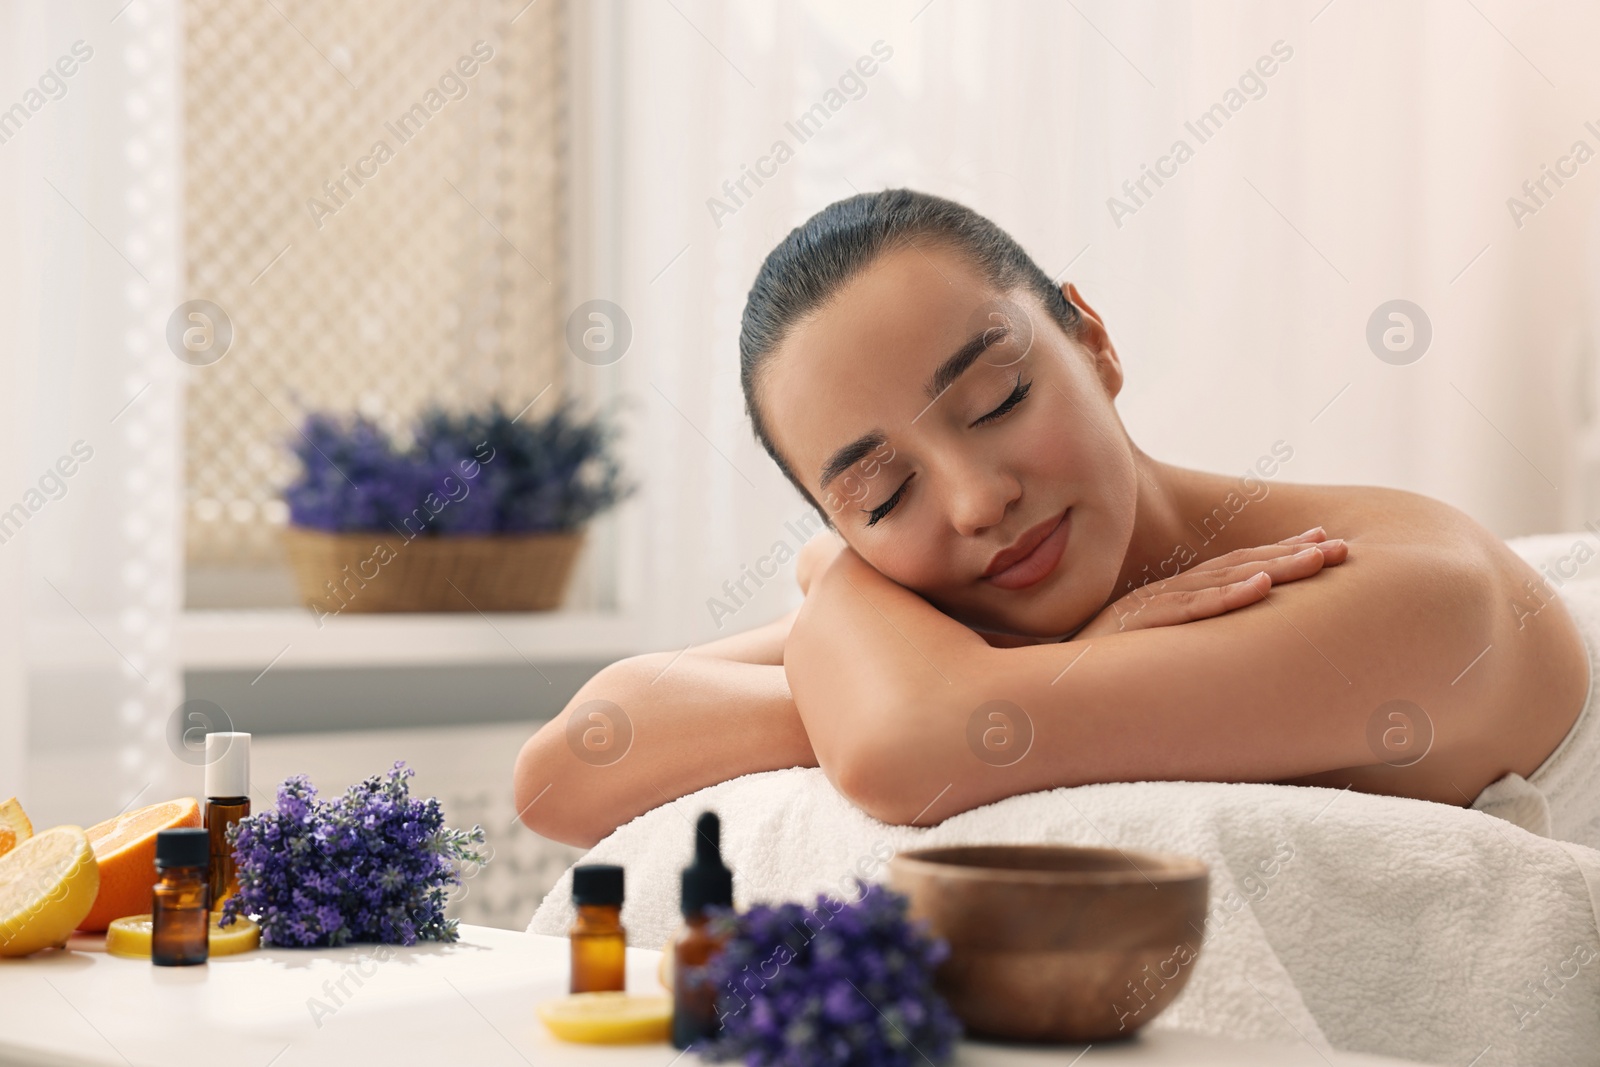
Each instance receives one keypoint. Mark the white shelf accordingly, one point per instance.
(251, 639)
(242, 640)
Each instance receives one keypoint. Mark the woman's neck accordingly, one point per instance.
(1181, 518)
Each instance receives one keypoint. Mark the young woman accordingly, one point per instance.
(1015, 597)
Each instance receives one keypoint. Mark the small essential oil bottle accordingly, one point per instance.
(599, 943)
(227, 801)
(180, 931)
(706, 883)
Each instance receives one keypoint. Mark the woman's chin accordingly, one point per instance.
(1049, 620)
(1015, 631)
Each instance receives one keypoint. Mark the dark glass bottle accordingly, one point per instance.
(599, 943)
(706, 884)
(180, 914)
(227, 801)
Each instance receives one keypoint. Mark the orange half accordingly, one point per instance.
(14, 826)
(125, 847)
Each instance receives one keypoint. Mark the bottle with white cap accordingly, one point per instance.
(227, 801)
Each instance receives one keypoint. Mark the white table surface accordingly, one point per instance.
(467, 1002)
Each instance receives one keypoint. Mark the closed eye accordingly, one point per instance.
(888, 505)
(1016, 397)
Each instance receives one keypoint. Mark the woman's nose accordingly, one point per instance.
(979, 498)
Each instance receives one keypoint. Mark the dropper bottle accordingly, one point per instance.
(227, 801)
(707, 883)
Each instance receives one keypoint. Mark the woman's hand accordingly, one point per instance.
(1235, 580)
(814, 557)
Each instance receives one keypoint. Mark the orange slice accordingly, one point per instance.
(130, 936)
(14, 826)
(126, 850)
(47, 885)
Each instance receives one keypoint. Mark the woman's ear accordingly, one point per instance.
(1072, 294)
(1092, 335)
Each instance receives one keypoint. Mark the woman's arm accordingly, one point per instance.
(759, 644)
(656, 727)
(898, 699)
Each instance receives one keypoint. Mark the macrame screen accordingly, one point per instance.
(382, 228)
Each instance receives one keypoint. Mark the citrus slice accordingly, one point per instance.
(125, 847)
(130, 936)
(14, 826)
(47, 885)
(608, 1018)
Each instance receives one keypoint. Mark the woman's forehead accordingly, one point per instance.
(861, 361)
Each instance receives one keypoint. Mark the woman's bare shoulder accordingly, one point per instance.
(1533, 666)
(1375, 514)
(1378, 515)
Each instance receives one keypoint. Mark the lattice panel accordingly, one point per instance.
(383, 230)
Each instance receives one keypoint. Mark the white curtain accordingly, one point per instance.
(90, 471)
(1373, 164)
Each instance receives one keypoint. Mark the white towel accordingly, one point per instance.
(1365, 923)
(1561, 798)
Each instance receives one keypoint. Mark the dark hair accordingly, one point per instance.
(821, 255)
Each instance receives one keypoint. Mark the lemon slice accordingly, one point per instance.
(47, 885)
(608, 1018)
(130, 935)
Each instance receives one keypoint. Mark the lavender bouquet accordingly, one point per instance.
(836, 985)
(369, 866)
(528, 475)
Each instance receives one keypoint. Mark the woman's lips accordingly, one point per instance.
(1038, 563)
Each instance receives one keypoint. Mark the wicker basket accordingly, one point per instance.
(343, 572)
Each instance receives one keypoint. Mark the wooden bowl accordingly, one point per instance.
(1052, 943)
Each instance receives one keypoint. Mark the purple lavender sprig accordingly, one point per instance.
(486, 471)
(370, 865)
(835, 985)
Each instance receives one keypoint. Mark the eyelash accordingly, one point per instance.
(888, 505)
(1010, 402)
(1018, 393)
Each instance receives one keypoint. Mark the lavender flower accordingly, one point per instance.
(835, 985)
(369, 866)
(529, 474)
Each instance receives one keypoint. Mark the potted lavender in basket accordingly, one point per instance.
(482, 511)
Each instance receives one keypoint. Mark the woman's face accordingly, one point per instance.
(947, 428)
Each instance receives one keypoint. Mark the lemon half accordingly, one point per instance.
(608, 1018)
(130, 936)
(47, 885)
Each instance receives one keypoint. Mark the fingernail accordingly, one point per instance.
(1335, 543)
(1314, 529)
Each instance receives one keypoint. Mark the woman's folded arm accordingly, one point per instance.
(916, 718)
(680, 721)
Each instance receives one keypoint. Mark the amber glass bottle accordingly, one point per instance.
(706, 883)
(599, 943)
(181, 919)
(227, 801)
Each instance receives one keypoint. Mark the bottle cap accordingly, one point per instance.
(227, 764)
(189, 846)
(707, 882)
(597, 883)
